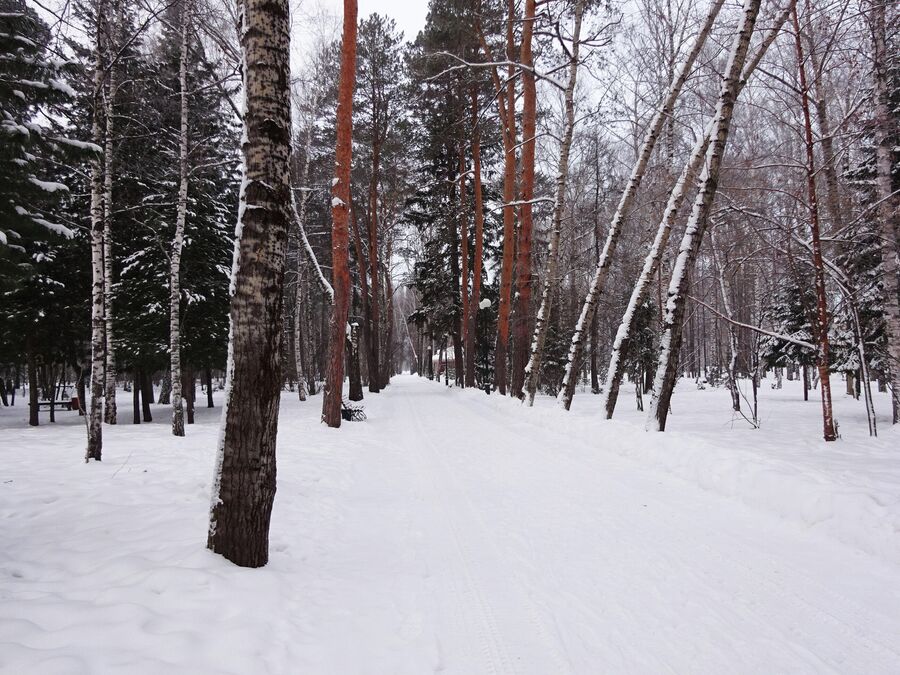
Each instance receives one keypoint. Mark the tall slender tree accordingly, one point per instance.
(340, 214)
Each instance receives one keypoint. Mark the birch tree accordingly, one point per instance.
(670, 342)
(639, 294)
(244, 479)
(94, 418)
(576, 346)
(178, 240)
(551, 276)
(889, 203)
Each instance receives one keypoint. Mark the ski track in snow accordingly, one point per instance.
(450, 533)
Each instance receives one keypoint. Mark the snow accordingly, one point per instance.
(484, 304)
(464, 533)
(336, 202)
(47, 186)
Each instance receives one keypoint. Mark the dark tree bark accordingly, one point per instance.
(136, 383)
(244, 480)
(33, 398)
(209, 390)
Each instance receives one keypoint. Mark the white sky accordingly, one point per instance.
(409, 15)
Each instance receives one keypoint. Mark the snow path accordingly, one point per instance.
(441, 535)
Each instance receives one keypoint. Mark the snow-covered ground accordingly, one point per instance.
(458, 532)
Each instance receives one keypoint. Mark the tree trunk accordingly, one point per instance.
(356, 389)
(244, 480)
(551, 280)
(33, 397)
(178, 241)
(670, 343)
(98, 305)
(889, 202)
(147, 395)
(821, 323)
(508, 121)
(136, 396)
(576, 346)
(209, 391)
(109, 410)
(463, 375)
(478, 260)
(340, 202)
(374, 265)
(522, 315)
(189, 386)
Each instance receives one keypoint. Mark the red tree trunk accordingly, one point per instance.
(340, 241)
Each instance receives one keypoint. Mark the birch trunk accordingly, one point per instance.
(340, 203)
(616, 369)
(551, 280)
(889, 203)
(244, 480)
(178, 240)
(576, 346)
(98, 350)
(298, 340)
(522, 317)
(109, 409)
(670, 344)
(462, 377)
(477, 262)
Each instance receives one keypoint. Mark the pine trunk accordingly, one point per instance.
(340, 203)
(522, 315)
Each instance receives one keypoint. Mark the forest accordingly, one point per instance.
(461, 279)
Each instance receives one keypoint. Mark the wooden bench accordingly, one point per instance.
(352, 411)
(64, 404)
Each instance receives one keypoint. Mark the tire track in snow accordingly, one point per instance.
(510, 604)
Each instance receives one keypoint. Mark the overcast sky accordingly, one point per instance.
(409, 14)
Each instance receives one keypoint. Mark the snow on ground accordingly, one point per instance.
(458, 532)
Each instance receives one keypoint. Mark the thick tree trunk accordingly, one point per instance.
(522, 315)
(551, 276)
(178, 240)
(618, 356)
(478, 260)
(889, 202)
(673, 323)
(598, 282)
(340, 203)
(356, 389)
(244, 480)
(821, 324)
(98, 347)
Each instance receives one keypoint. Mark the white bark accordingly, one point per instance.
(551, 277)
(178, 240)
(616, 369)
(576, 347)
(666, 372)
